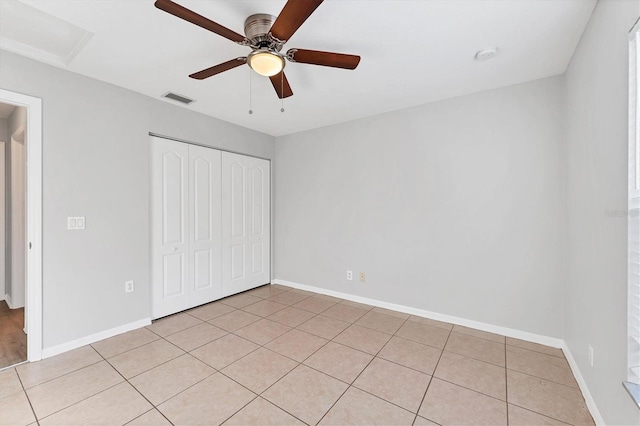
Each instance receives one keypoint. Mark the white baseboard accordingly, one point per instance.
(491, 328)
(588, 398)
(10, 303)
(74, 344)
(505, 331)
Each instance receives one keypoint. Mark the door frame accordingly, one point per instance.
(33, 284)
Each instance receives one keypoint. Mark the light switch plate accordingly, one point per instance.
(75, 223)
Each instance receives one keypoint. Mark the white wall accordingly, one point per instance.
(454, 207)
(597, 152)
(96, 164)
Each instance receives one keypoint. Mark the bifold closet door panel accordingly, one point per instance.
(260, 221)
(245, 223)
(169, 227)
(205, 250)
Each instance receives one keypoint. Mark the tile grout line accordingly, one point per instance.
(546, 380)
(128, 350)
(540, 414)
(244, 356)
(433, 375)
(259, 395)
(192, 385)
(418, 371)
(362, 371)
(506, 381)
(358, 350)
(374, 356)
(300, 363)
(179, 331)
(280, 408)
(465, 356)
(64, 375)
(27, 396)
(226, 333)
(233, 332)
(155, 366)
(464, 387)
(136, 389)
(538, 352)
(239, 409)
(78, 402)
(153, 408)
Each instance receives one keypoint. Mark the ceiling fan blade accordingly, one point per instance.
(281, 85)
(217, 69)
(327, 59)
(190, 16)
(292, 16)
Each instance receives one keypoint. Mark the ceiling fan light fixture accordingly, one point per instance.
(266, 62)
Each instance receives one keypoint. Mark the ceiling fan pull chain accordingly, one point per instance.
(250, 109)
(282, 87)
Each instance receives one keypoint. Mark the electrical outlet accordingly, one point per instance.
(128, 286)
(350, 275)
(362, 276)
(590, 355)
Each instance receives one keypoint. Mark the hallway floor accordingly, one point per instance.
(13, 341)
(281, 356)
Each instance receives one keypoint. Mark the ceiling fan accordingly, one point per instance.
(266, 35)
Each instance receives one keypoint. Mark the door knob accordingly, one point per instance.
(174, 249)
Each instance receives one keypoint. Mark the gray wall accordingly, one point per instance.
(96, 164)
(454, 207)
(597, 153)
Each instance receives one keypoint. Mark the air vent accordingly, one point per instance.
(178, 98)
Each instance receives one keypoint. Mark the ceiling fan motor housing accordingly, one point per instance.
(257, 27)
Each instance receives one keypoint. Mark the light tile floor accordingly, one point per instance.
(279, 356)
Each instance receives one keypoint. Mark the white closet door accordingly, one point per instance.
(259, 221)
(169, 227)
(245, 222)
(205, 257)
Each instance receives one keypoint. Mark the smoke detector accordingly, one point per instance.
(486, 54)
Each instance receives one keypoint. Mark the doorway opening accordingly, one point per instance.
(20, 228)
(13, 338)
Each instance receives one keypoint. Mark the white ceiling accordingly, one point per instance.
(413, 52)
